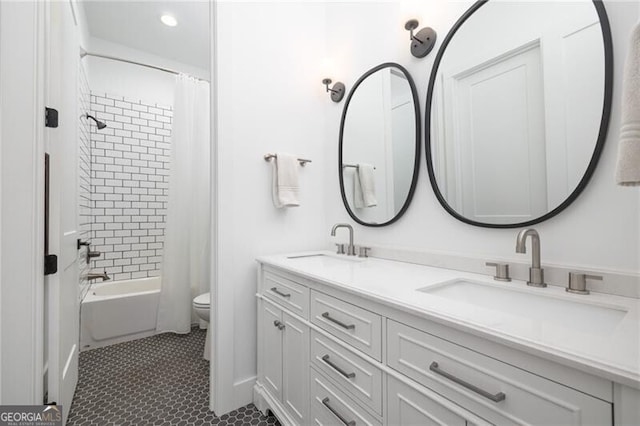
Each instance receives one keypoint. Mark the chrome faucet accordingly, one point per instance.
(536, 273)
(94, 276)
(351, 249)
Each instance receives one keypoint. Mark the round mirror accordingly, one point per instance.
(517, 110)
(379, 146)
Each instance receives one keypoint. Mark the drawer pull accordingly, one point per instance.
(493, 397)
(338, 369)
(279, 324)
(325, 402)
(279, 293)
(340, 323)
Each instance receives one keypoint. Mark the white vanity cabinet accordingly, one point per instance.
(284, 353)
(333, 357)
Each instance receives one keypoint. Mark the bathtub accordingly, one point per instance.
(119, 311)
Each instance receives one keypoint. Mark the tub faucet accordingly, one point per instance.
(94, 276)
(351, 249)
(536, 273)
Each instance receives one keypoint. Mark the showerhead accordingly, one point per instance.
(101, 125)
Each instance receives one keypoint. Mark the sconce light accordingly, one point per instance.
(423, 42)
(337, 91)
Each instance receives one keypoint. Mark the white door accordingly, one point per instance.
(295, 368)
(62, 288)
(508, 90)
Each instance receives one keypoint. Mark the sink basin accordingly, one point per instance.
(563, 312)
(326, 256)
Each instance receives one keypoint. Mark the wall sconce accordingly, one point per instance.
(337, 91)
(423, 42)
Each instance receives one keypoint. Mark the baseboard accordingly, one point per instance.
(243, 391)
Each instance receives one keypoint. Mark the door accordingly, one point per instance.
(271, 335)
(511, 87)
(62, 288)
(295, 365)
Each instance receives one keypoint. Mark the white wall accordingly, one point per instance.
(599, 230)
(270, 98)
(134, 81)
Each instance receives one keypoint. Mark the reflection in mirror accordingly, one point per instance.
(379, 145)
(519, 107)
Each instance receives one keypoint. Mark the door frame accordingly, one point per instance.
(22, 151)
(29, 359)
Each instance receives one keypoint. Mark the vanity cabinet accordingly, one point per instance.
(334, 357)
(494, 390)
(284, 360)
(409, 407)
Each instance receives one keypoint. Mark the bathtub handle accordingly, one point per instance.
(279, 293)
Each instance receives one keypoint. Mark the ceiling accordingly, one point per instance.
(136, 24)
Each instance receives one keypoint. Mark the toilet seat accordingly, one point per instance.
(202, 301)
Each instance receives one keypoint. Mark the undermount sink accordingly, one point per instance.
(585, 317)
(327, 256)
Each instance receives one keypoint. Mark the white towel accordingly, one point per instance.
(285, 181)
(364, 187)
(628, 167)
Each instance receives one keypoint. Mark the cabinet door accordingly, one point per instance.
(408, 407)
(271, 338)
(295, 373)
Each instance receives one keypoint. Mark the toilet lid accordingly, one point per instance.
(202, 300)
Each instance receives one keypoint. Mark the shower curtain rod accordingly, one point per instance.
(84, 53)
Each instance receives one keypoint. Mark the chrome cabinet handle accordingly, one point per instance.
(340, 323)
(493, 397)
(325, 402)
(338, 369)
(279, 293)
(279, 324)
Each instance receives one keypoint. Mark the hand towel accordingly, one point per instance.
(285, 187)
(364, 188)
(628, 166)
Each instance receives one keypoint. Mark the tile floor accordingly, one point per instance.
(159, 380)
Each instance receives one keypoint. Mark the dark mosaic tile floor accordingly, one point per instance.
(160, 380)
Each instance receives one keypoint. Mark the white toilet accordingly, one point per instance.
(202, 307)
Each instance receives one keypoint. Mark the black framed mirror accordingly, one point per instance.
(379, 146)
(517, 110)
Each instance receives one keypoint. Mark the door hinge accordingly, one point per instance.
(50, 117)
(50, 264)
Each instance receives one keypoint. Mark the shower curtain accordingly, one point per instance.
(186, 254)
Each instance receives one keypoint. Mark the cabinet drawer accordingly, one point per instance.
(408, 407)
(331, 406)
(286, 293)
(356, 326)
(353, 373)
(496, 391)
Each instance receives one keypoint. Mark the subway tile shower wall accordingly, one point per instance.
(130, 182)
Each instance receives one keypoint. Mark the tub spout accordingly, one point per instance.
(94, 276)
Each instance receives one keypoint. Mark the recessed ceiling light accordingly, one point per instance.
(169, 20)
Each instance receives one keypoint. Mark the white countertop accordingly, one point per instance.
(614, 354)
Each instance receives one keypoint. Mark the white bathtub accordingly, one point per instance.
(119, 311)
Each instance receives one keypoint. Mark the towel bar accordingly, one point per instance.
(355, 166)
(302, 161)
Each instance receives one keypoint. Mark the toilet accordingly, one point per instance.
(202, 307)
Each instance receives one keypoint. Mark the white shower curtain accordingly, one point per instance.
(186, 254)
